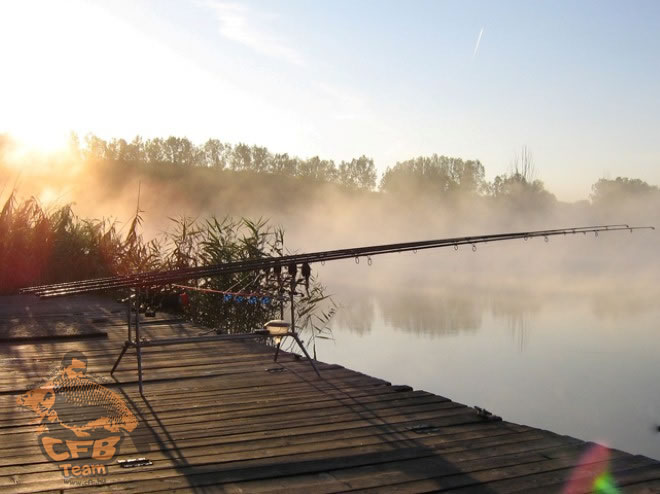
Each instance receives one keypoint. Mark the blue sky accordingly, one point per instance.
(576, 82)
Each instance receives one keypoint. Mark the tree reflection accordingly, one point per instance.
(463, 307)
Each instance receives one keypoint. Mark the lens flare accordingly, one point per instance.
(604, 484)
(592, 473)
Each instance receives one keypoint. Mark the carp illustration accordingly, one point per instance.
(77, 402)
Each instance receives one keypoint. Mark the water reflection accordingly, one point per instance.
(571, 355)
(438, 312)
(456, 308)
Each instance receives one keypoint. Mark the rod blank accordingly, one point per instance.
(160, 278)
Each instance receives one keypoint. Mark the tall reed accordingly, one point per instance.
(41, 246)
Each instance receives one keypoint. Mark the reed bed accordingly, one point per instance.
(40, 246)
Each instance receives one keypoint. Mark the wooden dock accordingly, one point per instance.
(223, 417)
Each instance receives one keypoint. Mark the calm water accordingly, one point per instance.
(571, 361)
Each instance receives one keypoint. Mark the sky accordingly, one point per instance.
(578, 83)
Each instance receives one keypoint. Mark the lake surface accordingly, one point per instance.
(580, 362)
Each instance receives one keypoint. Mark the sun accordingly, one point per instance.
(40, 141)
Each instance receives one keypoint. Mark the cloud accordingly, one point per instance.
(476, 46)
(243, 25)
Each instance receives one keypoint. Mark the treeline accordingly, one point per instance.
(358, 173)
(435, 175)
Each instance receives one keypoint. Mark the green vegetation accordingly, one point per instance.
(40, 247)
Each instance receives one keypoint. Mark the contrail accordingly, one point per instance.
(476, 47)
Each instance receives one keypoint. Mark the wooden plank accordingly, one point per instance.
(166, 434)
(557, 476)
(240, 425)
(178, 439)
(249, 373)
(288, 393)
(199, 470)
(332, 460)
(13, 330)
(400, 474)
(643, 487)
(646, 472)
(290, 408)
(276, 445)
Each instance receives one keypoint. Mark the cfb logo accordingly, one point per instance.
(81, 423)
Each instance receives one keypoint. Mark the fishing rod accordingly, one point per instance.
(166, 277)
(155, 276)
(283, 259)
(159, 278)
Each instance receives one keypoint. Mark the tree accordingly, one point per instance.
(181, 151)
(317, 169)
(155, 150)
(95, 147)
(467, 177)
(360, 173)
(112, 150)
(605, 192)
(135, 151)
(260, 159)
(241, 158)
(189, 154)
(213, 154)
(282, 164)
(523, 165)
(520, 188)
(171, 149)
(426, 174)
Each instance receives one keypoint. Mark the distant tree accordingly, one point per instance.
(122, 147)
(95, 147)
(606, 191)
(112, 150)
(135, 150)
(190, 155)
(260, 159)
(181, 151)
(515, 184)
(426, 174)
(241, 158)
(358, 173)
(283, 164)
(520, 188)
(523, 165)
(171, 149)
(213, 154)
(467, 177)
(155, 150)
(317, 169)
